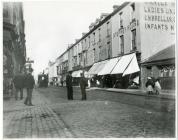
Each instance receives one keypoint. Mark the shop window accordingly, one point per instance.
(161, 73)
(167, 71)
(122, 44)
(172, 71)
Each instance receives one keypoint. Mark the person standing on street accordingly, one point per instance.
(157, 86)
(69, 86)
(19, 84)
(29, 85)
(149, 85)
(83, 84)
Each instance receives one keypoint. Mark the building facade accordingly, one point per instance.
(14, 49)
(146, 28)
(141, 29)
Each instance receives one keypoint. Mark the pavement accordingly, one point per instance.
(168, 94)
(53, 116)
(39, 121)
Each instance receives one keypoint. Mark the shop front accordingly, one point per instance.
(162, 66)
(118, 72)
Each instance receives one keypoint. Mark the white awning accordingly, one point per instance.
(76, 73)
(86, 74)
(122, 64)
(97, 67)
(132, 67)
(109, 66)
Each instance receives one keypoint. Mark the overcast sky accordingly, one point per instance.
(51, 26)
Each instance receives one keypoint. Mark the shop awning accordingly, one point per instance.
(132, 66)
(76, 73)
(126, 65)
(109, 66)
(97, 67)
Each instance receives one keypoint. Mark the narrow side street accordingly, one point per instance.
(100, 116)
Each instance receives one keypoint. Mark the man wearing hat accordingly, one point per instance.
(19, 84)
(83, 84)
(69, 86)
(29, 85)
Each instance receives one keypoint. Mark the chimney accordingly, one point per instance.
(91, 26)
(115, 7)
(76, 40)
(103, 15)
(83, 34)
(97, 21)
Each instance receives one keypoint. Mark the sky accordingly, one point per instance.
(51, 25)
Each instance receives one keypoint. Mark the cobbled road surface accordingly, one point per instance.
(103, 115)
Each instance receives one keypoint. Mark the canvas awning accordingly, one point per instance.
(109, 66)
(97, 67)
(76, 73)
(132, 66)
(126, 65)
(122, 64)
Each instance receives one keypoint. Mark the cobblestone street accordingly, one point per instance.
(100, 116)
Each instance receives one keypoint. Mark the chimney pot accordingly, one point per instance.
(115, 7)
(83, 34)
(103, 15)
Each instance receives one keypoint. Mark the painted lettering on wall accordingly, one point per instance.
(159, 16)
(122, 30)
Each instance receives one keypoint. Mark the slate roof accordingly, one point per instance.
(168, 53)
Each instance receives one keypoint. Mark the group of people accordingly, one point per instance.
(83, 85)
(24, 80)
(153, 85)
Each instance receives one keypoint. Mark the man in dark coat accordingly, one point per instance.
(69, 86)
(29, 85)
(83, 84)
(19, 84)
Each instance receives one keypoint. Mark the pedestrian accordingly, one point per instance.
(69, 86)
(83, 85)
(149, 85)
(157, 86)
(29, 85)
(89, 83)
(61, 82)
(19, 84)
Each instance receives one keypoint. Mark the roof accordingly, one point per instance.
(96, 26)
(168, 53)
(100, 23)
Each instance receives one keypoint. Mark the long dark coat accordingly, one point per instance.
(19, 81)
(29, 81)
(69, 87)
(83, 84)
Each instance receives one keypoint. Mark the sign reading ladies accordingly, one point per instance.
(159, 16)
